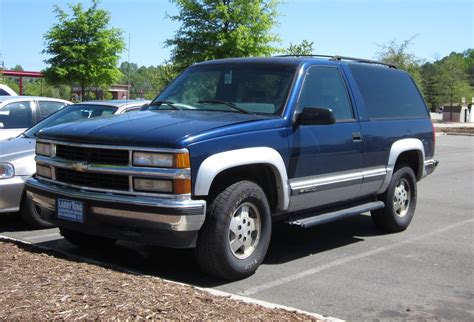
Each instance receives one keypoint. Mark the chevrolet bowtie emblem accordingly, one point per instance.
(80, 166)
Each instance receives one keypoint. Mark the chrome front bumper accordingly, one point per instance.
(178, 215)
(11, 191)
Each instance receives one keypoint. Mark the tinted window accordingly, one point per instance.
(70, 114)
(47, 108)
(4, 92)
(324, 87)
(257, 88)
(16, 115)
(388, 93)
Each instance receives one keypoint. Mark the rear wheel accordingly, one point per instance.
(235, 237)
(85, 240)
(400, 202)
(30, 214)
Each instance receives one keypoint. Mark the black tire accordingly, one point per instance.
(82, 240)
(29, 214)
(213, 251)
(394, 217)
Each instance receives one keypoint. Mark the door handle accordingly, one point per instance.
(356, 137)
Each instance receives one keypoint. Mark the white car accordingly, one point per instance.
(6, 91)
(18, 113)
(17, 155)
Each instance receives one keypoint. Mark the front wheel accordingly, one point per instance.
(400, 202)
(235, 237)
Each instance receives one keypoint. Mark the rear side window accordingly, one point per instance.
(49, 107)
(388, 93)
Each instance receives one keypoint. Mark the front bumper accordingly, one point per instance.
(159, 221)
(11, 191)
(430, 167)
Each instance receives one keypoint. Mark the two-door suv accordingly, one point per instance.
(233, 145)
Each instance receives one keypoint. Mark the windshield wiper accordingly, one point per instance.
(169, 103)
(235, 107)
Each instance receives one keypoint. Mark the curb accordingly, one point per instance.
(211, 291)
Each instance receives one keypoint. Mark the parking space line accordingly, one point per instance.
(41, 236)
(345, 260)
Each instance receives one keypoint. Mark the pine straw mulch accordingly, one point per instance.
(39, 284)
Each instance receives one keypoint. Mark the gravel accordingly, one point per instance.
(39, 284)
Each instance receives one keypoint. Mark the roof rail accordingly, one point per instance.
(337, 57)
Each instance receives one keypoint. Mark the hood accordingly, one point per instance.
(165, 129)
(16, 148)
(21, 153)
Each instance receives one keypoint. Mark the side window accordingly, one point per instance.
(47, 108)
(16, 115)
(388, 93)
(324, 87)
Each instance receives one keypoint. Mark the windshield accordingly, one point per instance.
(69, 114)
(239, 88)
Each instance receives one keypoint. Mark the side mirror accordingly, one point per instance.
(144, 107)
(1, 125)
(315, 116)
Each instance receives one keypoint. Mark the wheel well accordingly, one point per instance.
(413, 159)
(261, 174)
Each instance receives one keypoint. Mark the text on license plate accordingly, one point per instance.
(70, 210)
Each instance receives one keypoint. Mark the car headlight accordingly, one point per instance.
(7, 171)
(161, 160)
(43, 149)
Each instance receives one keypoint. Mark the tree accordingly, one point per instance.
(84, 49)
(18, 68)
(212, 29)
(397, 54)
(304, 48)
(453, 78)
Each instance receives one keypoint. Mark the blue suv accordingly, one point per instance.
(232, 146)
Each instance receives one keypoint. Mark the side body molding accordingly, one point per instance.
(398, 147)
(219, 162)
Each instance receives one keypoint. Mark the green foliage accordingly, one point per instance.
(146, 82)
(213, 29)
(303, 48)
(397, 54)
(84, 50)
(18, 68)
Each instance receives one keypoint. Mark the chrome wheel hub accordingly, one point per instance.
(244, 230)
(401, 198)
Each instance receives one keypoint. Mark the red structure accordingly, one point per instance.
(21, 74)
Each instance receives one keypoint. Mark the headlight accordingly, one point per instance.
(161, 160)
(43, 149)
(152, 185)
(7, 171)
(43, 171)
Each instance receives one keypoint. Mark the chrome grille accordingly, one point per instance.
(92, 155)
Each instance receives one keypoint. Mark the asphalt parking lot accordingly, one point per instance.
(345, 269)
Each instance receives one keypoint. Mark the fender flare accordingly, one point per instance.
(397, 148)
(219, 162)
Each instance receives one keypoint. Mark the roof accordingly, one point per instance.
(29, 98)
(116, 103)
(296, 60)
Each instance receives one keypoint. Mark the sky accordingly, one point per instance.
(345, 27)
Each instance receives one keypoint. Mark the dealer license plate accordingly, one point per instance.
(70, 210)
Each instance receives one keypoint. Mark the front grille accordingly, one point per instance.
(93, 180)
(92, 155)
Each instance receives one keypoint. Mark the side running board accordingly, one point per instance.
(335, 215)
